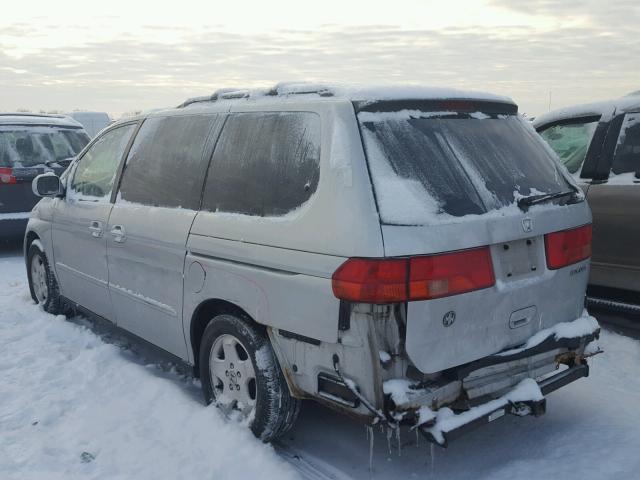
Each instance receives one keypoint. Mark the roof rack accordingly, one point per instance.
(280, 89)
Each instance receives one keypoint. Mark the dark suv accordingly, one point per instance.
(600, 145)
(30, 145)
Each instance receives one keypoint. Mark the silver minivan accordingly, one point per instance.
(401, 255)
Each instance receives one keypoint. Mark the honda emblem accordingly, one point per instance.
(449, 318)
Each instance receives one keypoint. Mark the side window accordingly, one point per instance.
(96, 171)
(165, 166)
(265, 164)
(626, 157)
(571, 141)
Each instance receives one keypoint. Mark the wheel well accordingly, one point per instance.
(30, 237)
(203, 315)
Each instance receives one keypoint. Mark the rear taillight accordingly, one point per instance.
(392, 280)
(568, 246)
(6, 175)
(371, 280)
(447, 274)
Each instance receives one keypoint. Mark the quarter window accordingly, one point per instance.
(570, 142)
(166, 164)
(265, 164)
(94, 176)
(626, 157)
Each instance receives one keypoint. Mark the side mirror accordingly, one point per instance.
(47, 185)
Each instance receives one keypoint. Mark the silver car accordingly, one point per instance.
(400, 254)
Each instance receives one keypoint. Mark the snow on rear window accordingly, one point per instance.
(434, 167)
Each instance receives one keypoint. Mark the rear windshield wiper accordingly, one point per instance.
(525, 202)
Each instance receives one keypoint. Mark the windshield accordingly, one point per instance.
(571, 142)
(24, 146)
(430, 166)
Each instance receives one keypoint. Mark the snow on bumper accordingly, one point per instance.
(582, 326)
(524, 399)
(514, 381)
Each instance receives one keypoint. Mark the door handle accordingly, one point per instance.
(117, 231)
(95, 228)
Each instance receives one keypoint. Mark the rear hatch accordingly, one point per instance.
(27, 151)
(473, 180)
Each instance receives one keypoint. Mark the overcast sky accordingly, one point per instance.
(119, 56)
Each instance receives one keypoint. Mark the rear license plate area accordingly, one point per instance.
(519, 258)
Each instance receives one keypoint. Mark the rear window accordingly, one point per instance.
(265, 164)
(571, 142)
(428, 167)
(24, 146)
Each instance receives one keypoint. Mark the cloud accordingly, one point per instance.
(589, 60)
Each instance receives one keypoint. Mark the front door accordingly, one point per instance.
(615, 205)
(150, 222)
(80, 222)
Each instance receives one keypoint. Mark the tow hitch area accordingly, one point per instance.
(442, 426)
(527, 398)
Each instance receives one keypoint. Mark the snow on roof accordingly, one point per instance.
(349, 92)
(604, 109)
(37, 119)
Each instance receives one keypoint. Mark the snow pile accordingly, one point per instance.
(384, 356)
(445, 420)
(399, 389)
(629, 178)
(75, 407)
(580, 327)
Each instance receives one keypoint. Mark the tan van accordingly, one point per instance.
(600, 145)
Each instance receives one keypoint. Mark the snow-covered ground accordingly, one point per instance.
(77, 402)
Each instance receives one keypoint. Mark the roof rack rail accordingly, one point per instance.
(302, 88)
(282, 88)
(232, 93)
(221, 93)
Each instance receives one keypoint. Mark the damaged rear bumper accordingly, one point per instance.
(446, 426)
(511, 382)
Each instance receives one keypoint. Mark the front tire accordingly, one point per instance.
(42, 283)
(240, 374)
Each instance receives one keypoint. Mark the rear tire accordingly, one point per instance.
(42, 283)
(240, 373)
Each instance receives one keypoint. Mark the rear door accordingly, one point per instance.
(615, 204)
(147, 232)
(80, 221)
(449, 181)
